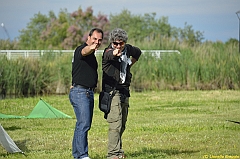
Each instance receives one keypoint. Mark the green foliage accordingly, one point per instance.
(206, 66)
(68, 30)
(147, 27)
(189, 35)
(203, 67)
(65, 31)
(24, 77)
(80, 25)
(30, 37)
(55, 32)
(8, 45)
(140, 27)
(161, 125)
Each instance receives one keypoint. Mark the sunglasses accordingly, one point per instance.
(116, 43)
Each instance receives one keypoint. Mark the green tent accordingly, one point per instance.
(41, 110)
(44, 110)
(4, 116)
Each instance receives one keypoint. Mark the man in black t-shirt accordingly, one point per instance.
(81, 96)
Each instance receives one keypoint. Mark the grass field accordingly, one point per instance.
(165, 124)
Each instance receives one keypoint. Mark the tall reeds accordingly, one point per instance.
(205, 66)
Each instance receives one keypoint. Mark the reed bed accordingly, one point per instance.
(206, 66)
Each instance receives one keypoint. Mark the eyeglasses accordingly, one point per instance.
(120, 43)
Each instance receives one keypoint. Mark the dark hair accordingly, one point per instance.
(97, 30)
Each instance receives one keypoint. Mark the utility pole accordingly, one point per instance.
(238, 12)
(5, 31)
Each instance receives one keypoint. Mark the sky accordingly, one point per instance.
(217, 19)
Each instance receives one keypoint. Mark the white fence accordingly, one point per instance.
(13, 54)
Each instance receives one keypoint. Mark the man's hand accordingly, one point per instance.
(117, 52)
(94, 47)
(89, 49)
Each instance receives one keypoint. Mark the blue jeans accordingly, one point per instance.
(82, 101)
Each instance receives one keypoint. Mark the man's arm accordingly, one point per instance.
(87, 50)
(133, 61)
(135, 56)
(109, 54)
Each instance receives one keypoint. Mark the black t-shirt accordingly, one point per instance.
(84, 68)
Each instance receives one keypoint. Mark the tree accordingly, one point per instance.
(80, 25)
(68, 30)
(190, 36)
(30, 37)
(144, 27)
(141, 27)
(133, 24)
(56, 31)
(8, 45)
(232, 41)
(65, 31)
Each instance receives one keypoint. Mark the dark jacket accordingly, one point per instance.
(111, 68)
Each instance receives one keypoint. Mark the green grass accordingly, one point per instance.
(165, 124)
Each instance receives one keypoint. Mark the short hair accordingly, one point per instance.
(118, 34)
(97, 30)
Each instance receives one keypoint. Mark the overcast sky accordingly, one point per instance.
(217, 19)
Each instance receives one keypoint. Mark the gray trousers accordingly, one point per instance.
(117, 119)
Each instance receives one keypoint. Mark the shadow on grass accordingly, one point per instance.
(158, 153)
(153, 153)
(15, 155)
(12, 128)
(236, 122)
(21, 145)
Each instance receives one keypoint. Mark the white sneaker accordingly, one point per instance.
(86, 158)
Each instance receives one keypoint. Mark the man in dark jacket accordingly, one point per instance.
(117, 60)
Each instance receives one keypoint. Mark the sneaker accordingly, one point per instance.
(86, 158)
(122, 156)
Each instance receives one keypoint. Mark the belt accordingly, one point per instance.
(84, 87)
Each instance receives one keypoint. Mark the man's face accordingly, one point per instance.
(118, 44)
(96, 38)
